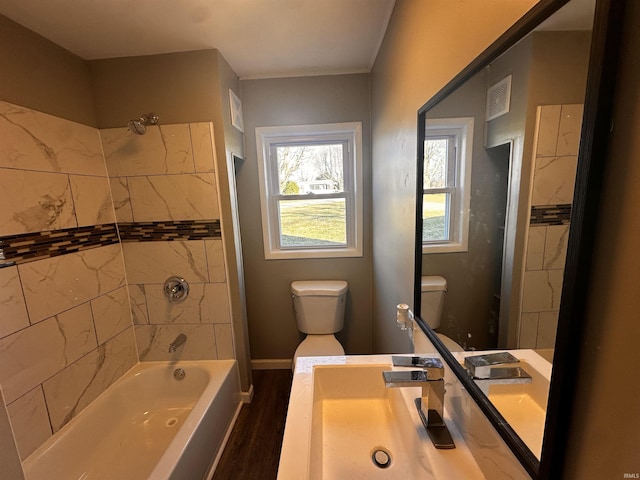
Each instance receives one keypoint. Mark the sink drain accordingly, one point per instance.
(381, 457)
(171, 422)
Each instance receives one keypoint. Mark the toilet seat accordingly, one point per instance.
(451, 345)
(318, 346)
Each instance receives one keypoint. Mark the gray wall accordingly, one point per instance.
(414, 62)
(605, 435)
(300, 101)
(471, 275)
(43, 76)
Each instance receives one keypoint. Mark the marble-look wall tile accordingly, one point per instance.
(555, 247)
(215, 260)
(72, 389)
(154, 262)
(192, 310)
(218, 302)
(121, 199)
(33, 140)
(548, 122)
(554, 180)
(202, 142)
(535, 248)
(57, 283)
(30, 356)
(164, 149)
(569, 130)
(29, 421)
(174, 197)
(224, 341)
(92, 200)
(111, 314)
(34, 201)
(153, 342)
(547, 328)
(13, 311)
(138, 300)
(528, 330)
(542, 291)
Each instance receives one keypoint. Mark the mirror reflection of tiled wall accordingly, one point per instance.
(67, 327)
(556, 155)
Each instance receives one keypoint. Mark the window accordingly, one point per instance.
(446, 185)
(310, 190)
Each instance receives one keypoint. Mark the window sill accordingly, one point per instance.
(311, 253)
(448, 248)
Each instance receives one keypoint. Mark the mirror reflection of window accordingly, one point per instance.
(446, 183)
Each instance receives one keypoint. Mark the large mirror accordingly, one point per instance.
(502, 151)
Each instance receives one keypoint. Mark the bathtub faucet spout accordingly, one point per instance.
(180, 339)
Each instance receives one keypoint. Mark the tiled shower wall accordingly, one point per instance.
(556, 154)
(164, 183)
(66, 321)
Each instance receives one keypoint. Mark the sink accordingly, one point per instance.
(360, 429)
(342, 423)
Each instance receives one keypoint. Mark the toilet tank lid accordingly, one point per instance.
(434, 284)
(327, 288)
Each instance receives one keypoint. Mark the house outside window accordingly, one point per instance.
(311, 190)
(446, 185)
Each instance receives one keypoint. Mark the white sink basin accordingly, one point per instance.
(354, 416)
(340, 414)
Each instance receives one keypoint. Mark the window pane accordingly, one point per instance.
(436, 155)
(306, 223)
(435, 214)
(310, 169)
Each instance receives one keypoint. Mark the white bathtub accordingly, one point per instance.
(147, 425)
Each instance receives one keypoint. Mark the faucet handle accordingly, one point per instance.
(431, 365)
(480, 366)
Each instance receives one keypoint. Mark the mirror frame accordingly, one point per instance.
(591, 159)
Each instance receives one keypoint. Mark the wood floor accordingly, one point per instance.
(253, 449)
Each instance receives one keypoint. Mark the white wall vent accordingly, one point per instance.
(499, 98)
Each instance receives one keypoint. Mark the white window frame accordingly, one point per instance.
(266, 139)
(462, 131)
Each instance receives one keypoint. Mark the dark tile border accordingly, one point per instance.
(550, 214)
(28, 247)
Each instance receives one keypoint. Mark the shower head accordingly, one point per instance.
(139, 126)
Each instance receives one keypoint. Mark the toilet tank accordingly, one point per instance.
(319, 305)
(432, 299)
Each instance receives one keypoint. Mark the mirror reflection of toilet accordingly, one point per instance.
(319, 306)
(431, 303)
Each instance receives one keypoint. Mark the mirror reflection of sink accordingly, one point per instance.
(360, 429)
(523, 405)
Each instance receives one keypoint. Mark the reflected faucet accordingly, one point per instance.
(180, 339)
(495, 369)
(430, 404)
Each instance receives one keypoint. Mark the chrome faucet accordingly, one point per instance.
(495, 369)
(180, 339)
(430, 404)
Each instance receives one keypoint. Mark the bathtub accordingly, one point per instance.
(147, 425)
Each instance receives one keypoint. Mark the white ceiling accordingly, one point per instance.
(259, 38)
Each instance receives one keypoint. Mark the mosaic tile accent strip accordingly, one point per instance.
(166, 231)
(27, 247)
(551, 214)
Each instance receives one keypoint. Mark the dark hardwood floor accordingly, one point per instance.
(253, 449)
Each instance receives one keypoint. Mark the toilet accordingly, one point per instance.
(319, 307)
(432, 300)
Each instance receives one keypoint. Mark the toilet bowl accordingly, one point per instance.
(433, 289)
(319, 308)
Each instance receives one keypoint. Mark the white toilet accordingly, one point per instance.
(432, 301)
(319, 307)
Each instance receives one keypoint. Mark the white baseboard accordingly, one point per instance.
(271, 364)
(247, 397)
